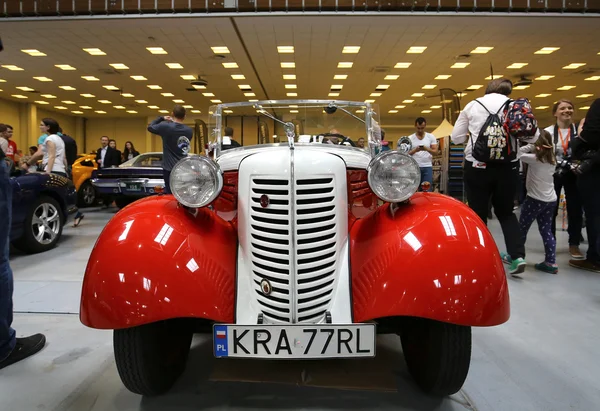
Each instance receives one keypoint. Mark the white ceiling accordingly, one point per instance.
(318, 43)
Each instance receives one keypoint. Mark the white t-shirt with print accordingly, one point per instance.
(59, 161)
(423, 158)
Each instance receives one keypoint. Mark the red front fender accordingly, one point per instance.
(434, 258)
(154, 261)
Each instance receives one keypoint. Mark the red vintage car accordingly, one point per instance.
(302, 248)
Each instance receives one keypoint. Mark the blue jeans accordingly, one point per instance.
(7, 334)
(427, 175)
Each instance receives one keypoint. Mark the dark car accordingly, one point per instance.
(139, 177)
(42, 204)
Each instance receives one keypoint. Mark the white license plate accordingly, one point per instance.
(294, 341)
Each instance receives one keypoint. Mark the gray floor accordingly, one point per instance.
(547, 357)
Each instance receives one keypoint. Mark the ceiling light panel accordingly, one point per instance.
(132, 111)
(139, 78)
(429, 86)
(69, 102)
(112, 88)
(61, 107)
(104, 101)
(474, 87)
(547, 50)
(196, 111)
(585, 96)
(48, 96)
(400, 106)
(408, 101)
(291, 94)
(573, 66)
(34, 52)
(435, 107)
(12, 67)
(65, 67)
(289, 77)
(566, 88)
(391, 77)
(290, 86)
(77, 112)
(416, 50)
(230, 65)
(543, 95)
(141, 101)
(238, 77)
(68, 88)
(459, 65)
(220, 50)
(443, 77)
(41, 102)
(95, 52)
(593, 78)
(351, 49)
(340, 77)
(25, 88)
(119, 66)
(208, 94)
(541, 107)
(523, 87)
(174, 66)
(154, 87)
(153, 107)
(544, 77)
(156, 50)
(333, 95)
(90, 78)
(188, 77)
(584, 108)
(87, 95)
(517, 66)
(289, 64)
(249, 95)
(481, 50)
(120, 107)
(178, 101)
(167, 94)
(216, 101)
(129, 95)
(85, 107)
(19, 96)
(425, 111)
(494, 77)
(345, 64)
(402, 65)
(382, 87)
(285, 49)
(417, 94)
(44, 79)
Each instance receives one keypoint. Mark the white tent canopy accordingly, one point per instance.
(443, 130)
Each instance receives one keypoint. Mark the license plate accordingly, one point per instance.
(133, 186)
(294, 341)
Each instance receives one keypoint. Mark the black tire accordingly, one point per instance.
(151, 357)
(86, 195)
(32, 240)
(124, 201)
(438, 355)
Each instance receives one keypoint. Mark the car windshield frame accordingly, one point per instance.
(369, 116)
(133, 162)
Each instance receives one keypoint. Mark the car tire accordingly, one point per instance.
(151, 357)
(45, 213)
(86, 195)
(122, 202)
(438, 355)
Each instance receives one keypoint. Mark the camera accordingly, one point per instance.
(564, 167)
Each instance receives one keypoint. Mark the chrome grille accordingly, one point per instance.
(316, 246)
(270, 240)
(303, 296)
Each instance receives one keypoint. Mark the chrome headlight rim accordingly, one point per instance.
(370, 176)
(215, 171)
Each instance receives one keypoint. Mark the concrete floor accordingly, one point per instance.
(545, 358)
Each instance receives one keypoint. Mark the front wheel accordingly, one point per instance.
(86, 195)
(43, 226)
(151, 357)
(438, 355)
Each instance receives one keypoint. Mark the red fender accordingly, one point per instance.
(154, 260)
(434, 258)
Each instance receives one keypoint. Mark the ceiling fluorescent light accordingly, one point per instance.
(208, 94)
(474, 87)
(417, 94)
(481, 50)
(69, 102)
(120, 107)
(154, 87)
(382, 87)
(375, 95)
(541, 107)
(196, 111)
(290, 86)
(33, 52)
(24, 88)
(573, 66)
(400, 106)
(429, 86)
(90, 78)
(292, 94)
(402, 65)
(392, 111)
(565, 88)
(95, 52)
(104, 101)
(350, 49)
(584, 108)
(188, 77)
(100, 111)
(139, 78)
(494, 77)
(391, 77)
(119, 66)
(584, 96)
(408, 101)
(593, 78)
(188, 106)
(85, 107)
(285, 49)
(41, 102)
(520, 87)
(216, 101)
(65, 67)
(112, 88)
(174, 66)
(153, 107)
(132, 111)
(459, 65)
(333, 95)
(289, 77)
(12, 67)
(167, 94)
(435, 107)
(178, 101)
(45, 79)
(220, 50)
(156, 50)
(416, 50)
(340, 77)
(443, 77)
(289, 64)
(19, 96)
(249, 94)
(345, 64)
(369, 101)
(230, 65)
(517, 65)
(68, 88)
(87, 95)
(544, 77)
(425, 111)
(543, 95)
(238, 77)
(141, 101)
(127, 95)
(547, 50)
(48, 96)
(77, 112)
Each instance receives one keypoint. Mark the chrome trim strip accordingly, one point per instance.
(293, 273)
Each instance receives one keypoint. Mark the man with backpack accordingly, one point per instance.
(494, 125)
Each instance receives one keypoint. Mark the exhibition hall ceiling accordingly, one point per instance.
(142, 67)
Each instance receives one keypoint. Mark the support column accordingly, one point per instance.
(29, 129)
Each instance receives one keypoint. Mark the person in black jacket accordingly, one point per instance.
(106, 156)
(586, 151)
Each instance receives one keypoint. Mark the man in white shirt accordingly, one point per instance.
(495, 181)
(424, 146)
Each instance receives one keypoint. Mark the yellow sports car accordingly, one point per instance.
(82, 174)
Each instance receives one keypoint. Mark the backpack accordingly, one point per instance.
(519, 121)
(493, 145)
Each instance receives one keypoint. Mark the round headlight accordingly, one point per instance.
(394, 176)
(196, 181)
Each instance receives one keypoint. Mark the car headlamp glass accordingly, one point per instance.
(196, 181)
(394, 176)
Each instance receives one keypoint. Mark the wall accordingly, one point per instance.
(10, 114)
(121, 130)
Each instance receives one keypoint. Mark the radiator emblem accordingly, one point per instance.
(265, 286)
(264, 201)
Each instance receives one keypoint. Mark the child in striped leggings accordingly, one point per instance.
(541, 198)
